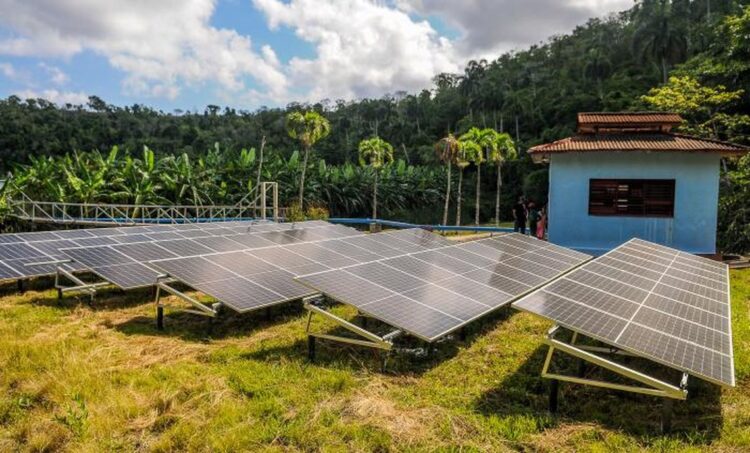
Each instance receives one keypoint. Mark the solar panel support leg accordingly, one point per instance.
(199, 308)
(652, 386)
(21, 288)
(311, 348)
(383, 360)
(666, 416)
(370, 340)
(80, 285)
(554, 391)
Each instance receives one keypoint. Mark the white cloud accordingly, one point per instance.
(58, 97)
(8, 71)
(490, 27)
(161, 45)
(56, 75)
(363, 48)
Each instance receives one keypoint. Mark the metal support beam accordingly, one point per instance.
(554, 391)
(311, 347)
(79, 285)
(651, 385)
(198, 307)
(371, 340)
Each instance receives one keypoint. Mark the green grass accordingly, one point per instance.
(78, 378)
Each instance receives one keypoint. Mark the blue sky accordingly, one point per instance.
(185, 54)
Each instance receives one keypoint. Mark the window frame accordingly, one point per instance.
(654, 198)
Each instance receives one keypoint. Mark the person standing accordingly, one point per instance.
(542, 224)
(533, 218)
(519, 216)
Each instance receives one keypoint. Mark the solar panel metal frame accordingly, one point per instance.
(24, 271)
(287, 248)
(519, 304)
(111, 273)
(463, 323)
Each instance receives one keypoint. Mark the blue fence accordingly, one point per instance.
(395, 224)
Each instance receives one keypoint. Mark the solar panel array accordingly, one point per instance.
(126, 264)
(669, 306)
(18, 250)
(261, 277)
(432, 293)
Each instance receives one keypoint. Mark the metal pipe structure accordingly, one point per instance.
(397, 224)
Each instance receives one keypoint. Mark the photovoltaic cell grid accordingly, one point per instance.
(668, 306)
(253, 279)
(432, 293)
(20, 252)
(127, 264)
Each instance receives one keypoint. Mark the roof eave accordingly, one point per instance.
(542, 156)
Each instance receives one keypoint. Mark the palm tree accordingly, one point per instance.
(447, 149)
(468, 152)
(486, 139)
(503, 150)
(309, 128)
(377, 152)
(658, 36)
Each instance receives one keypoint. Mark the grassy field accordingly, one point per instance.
(102, 378)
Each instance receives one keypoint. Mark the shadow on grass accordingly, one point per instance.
(696, 420)
(30, 284)
(106, 298)
(228, 324)
(410, 356)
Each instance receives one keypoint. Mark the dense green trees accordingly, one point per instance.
(225, 177)
(530, 96)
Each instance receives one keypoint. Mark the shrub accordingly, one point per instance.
(294, 213)
(317, 213)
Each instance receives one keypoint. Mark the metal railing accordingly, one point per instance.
(253, 206)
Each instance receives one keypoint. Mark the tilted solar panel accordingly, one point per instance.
(115, 263)
(273, 268)
(23, 256)
(434, 291)
(653, 301)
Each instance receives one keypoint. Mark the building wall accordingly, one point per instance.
(693, 228)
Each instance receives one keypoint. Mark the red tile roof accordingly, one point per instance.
(609, 119)
(657, 142)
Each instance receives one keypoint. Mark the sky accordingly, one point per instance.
(186, 54)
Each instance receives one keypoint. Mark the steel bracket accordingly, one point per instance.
(651, 385)
(80, 285)
(370, 340)
(198, 307)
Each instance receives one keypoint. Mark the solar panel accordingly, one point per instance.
(8, 238)
(185, 247)
(46, 246)
(653, 301)
(114, 263)
(74, 234)
(8, 273)
(443, 286)
(18, 250)
(274, 267)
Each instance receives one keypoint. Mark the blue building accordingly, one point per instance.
(626, 175)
